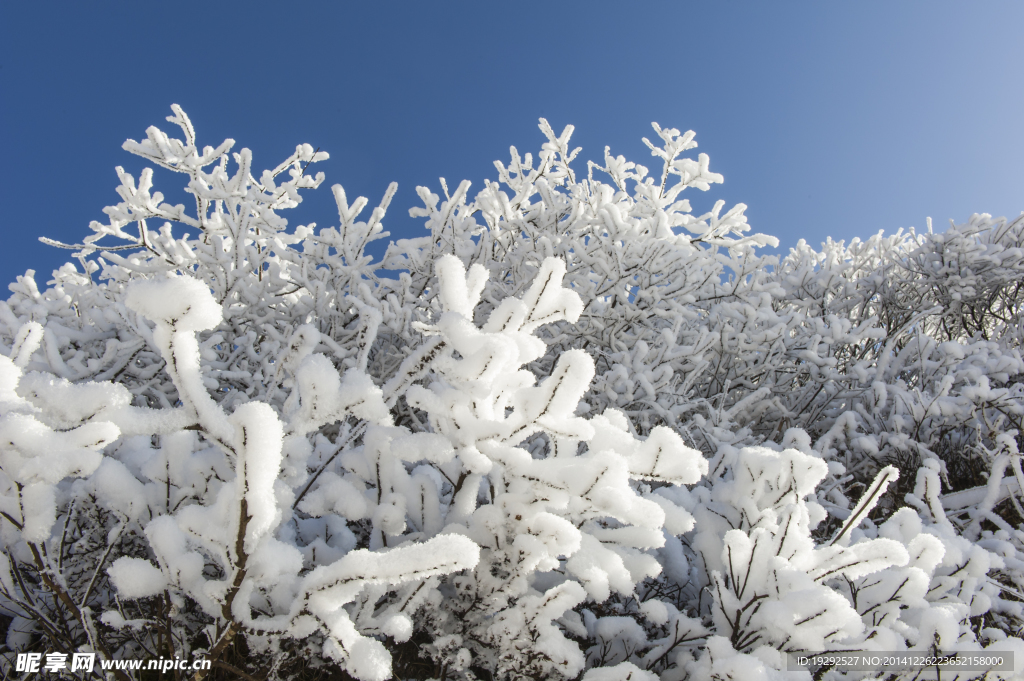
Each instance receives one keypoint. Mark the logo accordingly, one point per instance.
(55, 662)
(34, 663)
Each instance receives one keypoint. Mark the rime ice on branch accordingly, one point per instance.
(583, 433)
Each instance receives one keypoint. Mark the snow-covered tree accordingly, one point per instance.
(584, 433)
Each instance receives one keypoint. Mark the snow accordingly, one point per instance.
(136, 578)
(182, 302)
(370, 661)
(257, 466)
(39, 507)
(573, 430)
(624, 671)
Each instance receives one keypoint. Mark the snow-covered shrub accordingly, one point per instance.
(583, 433)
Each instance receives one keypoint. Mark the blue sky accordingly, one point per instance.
(827, 119)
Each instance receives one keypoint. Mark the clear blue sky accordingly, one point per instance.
(828, 119)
